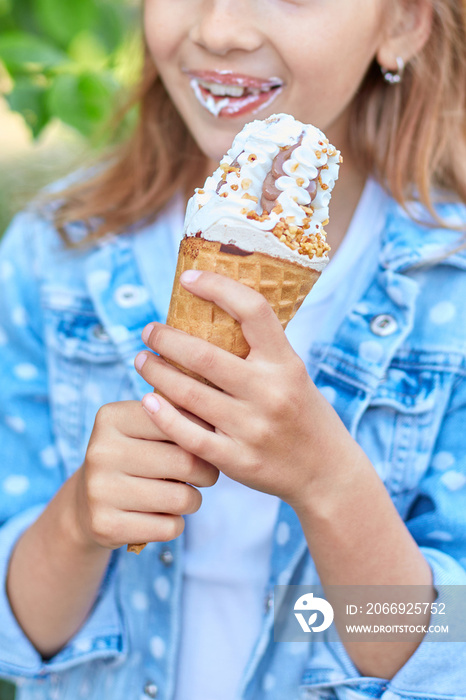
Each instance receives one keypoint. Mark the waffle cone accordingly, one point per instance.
(283, 283)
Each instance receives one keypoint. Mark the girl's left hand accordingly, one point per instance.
(274, 431)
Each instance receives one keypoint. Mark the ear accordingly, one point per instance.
(408, 28)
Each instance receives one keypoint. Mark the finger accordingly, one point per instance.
(261, 328)
(165, 460)
(213, 406)
(127, 418)
(157, 496)
(191, 437)
(147, 527)
(228, 372)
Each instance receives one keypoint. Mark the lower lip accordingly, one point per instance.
(239, 106)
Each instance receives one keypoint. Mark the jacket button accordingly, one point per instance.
(129, 295)
(268, 602)
(166, 557)
(151, 690)
(100, 333)
(383, 325)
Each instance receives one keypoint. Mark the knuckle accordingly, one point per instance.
(261, 308)
(157, 336)
(197, 444)
(171, 528)
(190, 466)
(206, 357)
(95, 486)
(96, 455)
(192, 396)
(181, 499)
(106, 414)
(212, 476)
(195, 501)
(100, 524)
(261, 433)
(298, 372)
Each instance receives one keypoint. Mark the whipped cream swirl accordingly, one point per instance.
(231, 198)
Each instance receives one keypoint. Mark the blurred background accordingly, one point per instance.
(64, 67)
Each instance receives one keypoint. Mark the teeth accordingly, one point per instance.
(223, 90)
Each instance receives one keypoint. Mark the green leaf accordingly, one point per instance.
(26, 53)
(29, 99)
(112, 25)
(5, 8)
(61, 20)
(83, 101)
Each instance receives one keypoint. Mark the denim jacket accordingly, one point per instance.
(70, 327)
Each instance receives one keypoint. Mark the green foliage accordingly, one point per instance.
(7, 691)
(66, 60)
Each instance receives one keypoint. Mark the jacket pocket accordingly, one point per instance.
(85, 372)
(399, 428)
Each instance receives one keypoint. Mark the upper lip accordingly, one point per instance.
(226, 77)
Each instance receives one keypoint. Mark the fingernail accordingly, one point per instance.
(140, 360)
(147, 331)
(190, 276)
(150, 403)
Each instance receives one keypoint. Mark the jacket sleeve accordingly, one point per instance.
(437, 521)
(31, 470)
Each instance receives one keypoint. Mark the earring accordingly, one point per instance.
(394, 77)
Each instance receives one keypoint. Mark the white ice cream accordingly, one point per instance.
(223, 215)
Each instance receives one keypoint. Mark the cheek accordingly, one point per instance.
(161, 29)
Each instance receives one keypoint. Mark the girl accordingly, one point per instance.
(334, 453)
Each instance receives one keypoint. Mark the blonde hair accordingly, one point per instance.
(411, 137)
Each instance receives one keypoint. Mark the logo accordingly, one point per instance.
(311, 604)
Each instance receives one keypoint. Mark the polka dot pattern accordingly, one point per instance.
(65, 394)
(49, 457)
(269, 682)
(371, 351)
(283, 533)
(119, 333)
(443, 312)
(440, 535)
(162, 587)
(139, 601)
(157, 647)
(453, 480)
(19, 316)
(15, 485)
(443, 460)
(15, 423)
(396, 294)
(99, 280)
(329, 393)
(6, 270)
(83, 645)
(25, 371)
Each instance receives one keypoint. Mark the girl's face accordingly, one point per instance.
(227, 62)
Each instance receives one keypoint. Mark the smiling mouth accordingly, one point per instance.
(223, 98)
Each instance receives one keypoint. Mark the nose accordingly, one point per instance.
(226, 25)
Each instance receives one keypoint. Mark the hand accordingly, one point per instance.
(134, 486)
(274, 431)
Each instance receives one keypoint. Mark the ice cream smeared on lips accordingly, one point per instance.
(276, 180)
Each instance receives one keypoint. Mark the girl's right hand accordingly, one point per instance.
(134, 486)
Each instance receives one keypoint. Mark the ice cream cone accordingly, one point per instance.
(259, 219)
(283, 283)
